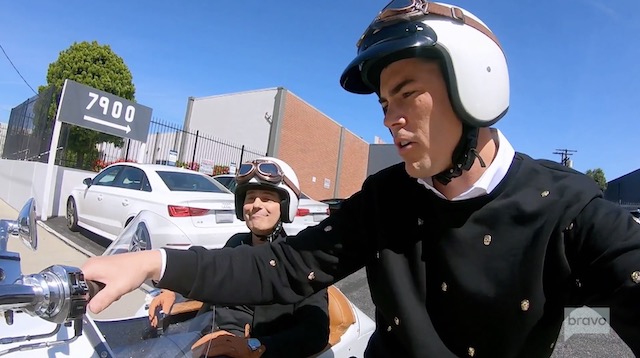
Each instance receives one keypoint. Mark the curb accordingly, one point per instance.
(65, 240)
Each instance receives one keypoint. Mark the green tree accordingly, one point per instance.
(598, 175)
(97, 66)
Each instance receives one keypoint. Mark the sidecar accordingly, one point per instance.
(350, 328)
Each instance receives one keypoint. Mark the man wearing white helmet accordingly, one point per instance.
(471, 248)
(266, 196)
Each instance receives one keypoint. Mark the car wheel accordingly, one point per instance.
(140, 240)
(72, 215)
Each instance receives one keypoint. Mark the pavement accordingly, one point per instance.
(58, 245)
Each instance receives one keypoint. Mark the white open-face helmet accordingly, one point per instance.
(473, 62)
(271, 174)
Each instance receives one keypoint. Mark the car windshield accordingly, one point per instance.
(177, 181)
(225, 180)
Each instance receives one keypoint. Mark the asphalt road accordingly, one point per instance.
(355, 287)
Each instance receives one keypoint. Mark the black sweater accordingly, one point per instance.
(484, 277)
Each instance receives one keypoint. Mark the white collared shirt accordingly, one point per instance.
(491, 177)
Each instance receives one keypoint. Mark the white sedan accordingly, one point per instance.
(310, 212)
(197, 204)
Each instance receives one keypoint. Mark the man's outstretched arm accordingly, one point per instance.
(284, 272)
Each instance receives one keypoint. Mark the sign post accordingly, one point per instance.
(91, 108)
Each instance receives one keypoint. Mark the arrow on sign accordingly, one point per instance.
(127, 129)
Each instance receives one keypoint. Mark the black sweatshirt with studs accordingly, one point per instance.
(490, 276)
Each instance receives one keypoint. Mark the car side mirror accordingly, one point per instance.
(87, 181)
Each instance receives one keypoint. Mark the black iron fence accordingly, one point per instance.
(170, 144)
(630, 205)
(28, 133)
(30, 128)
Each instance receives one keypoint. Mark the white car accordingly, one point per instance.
(197, 204)
(310, 212)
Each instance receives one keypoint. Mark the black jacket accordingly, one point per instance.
(286, 330)
(484, 277)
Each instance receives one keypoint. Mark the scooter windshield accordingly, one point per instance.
(176, 332)
(147, 231)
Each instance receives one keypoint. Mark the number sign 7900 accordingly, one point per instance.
(116, 108)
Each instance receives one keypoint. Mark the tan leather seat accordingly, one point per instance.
(341, 315)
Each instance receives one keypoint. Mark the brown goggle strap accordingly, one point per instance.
(457, 14)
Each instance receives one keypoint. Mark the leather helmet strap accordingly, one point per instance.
(457, 14)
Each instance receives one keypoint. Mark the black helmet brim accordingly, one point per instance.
(388, 41)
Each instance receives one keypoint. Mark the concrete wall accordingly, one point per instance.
(21, 180)
(330, 160)
(243, 118)
(382, 156)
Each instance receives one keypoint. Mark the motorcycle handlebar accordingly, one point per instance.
(57, 294)
(16, 296)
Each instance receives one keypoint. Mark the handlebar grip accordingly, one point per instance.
(94, 288)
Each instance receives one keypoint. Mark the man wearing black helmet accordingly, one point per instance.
(484, 247)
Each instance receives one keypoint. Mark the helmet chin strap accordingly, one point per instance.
(274, 233)
(463, 156)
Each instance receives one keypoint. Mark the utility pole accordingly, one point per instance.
(564, 154)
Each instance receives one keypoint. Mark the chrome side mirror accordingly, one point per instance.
(26, 225)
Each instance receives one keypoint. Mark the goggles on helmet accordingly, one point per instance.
(411, 11)
(267, 171)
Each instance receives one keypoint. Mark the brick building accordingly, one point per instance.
(330, 160)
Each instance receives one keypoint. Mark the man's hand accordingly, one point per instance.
(223, 343)
(121, 274)
(165, 300)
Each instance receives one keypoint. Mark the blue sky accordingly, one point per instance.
(574, 64)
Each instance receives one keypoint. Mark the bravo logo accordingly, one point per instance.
(585, 320)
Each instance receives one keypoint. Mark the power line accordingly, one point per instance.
(14, 67)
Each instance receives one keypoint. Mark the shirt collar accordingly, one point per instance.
(491, 177)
